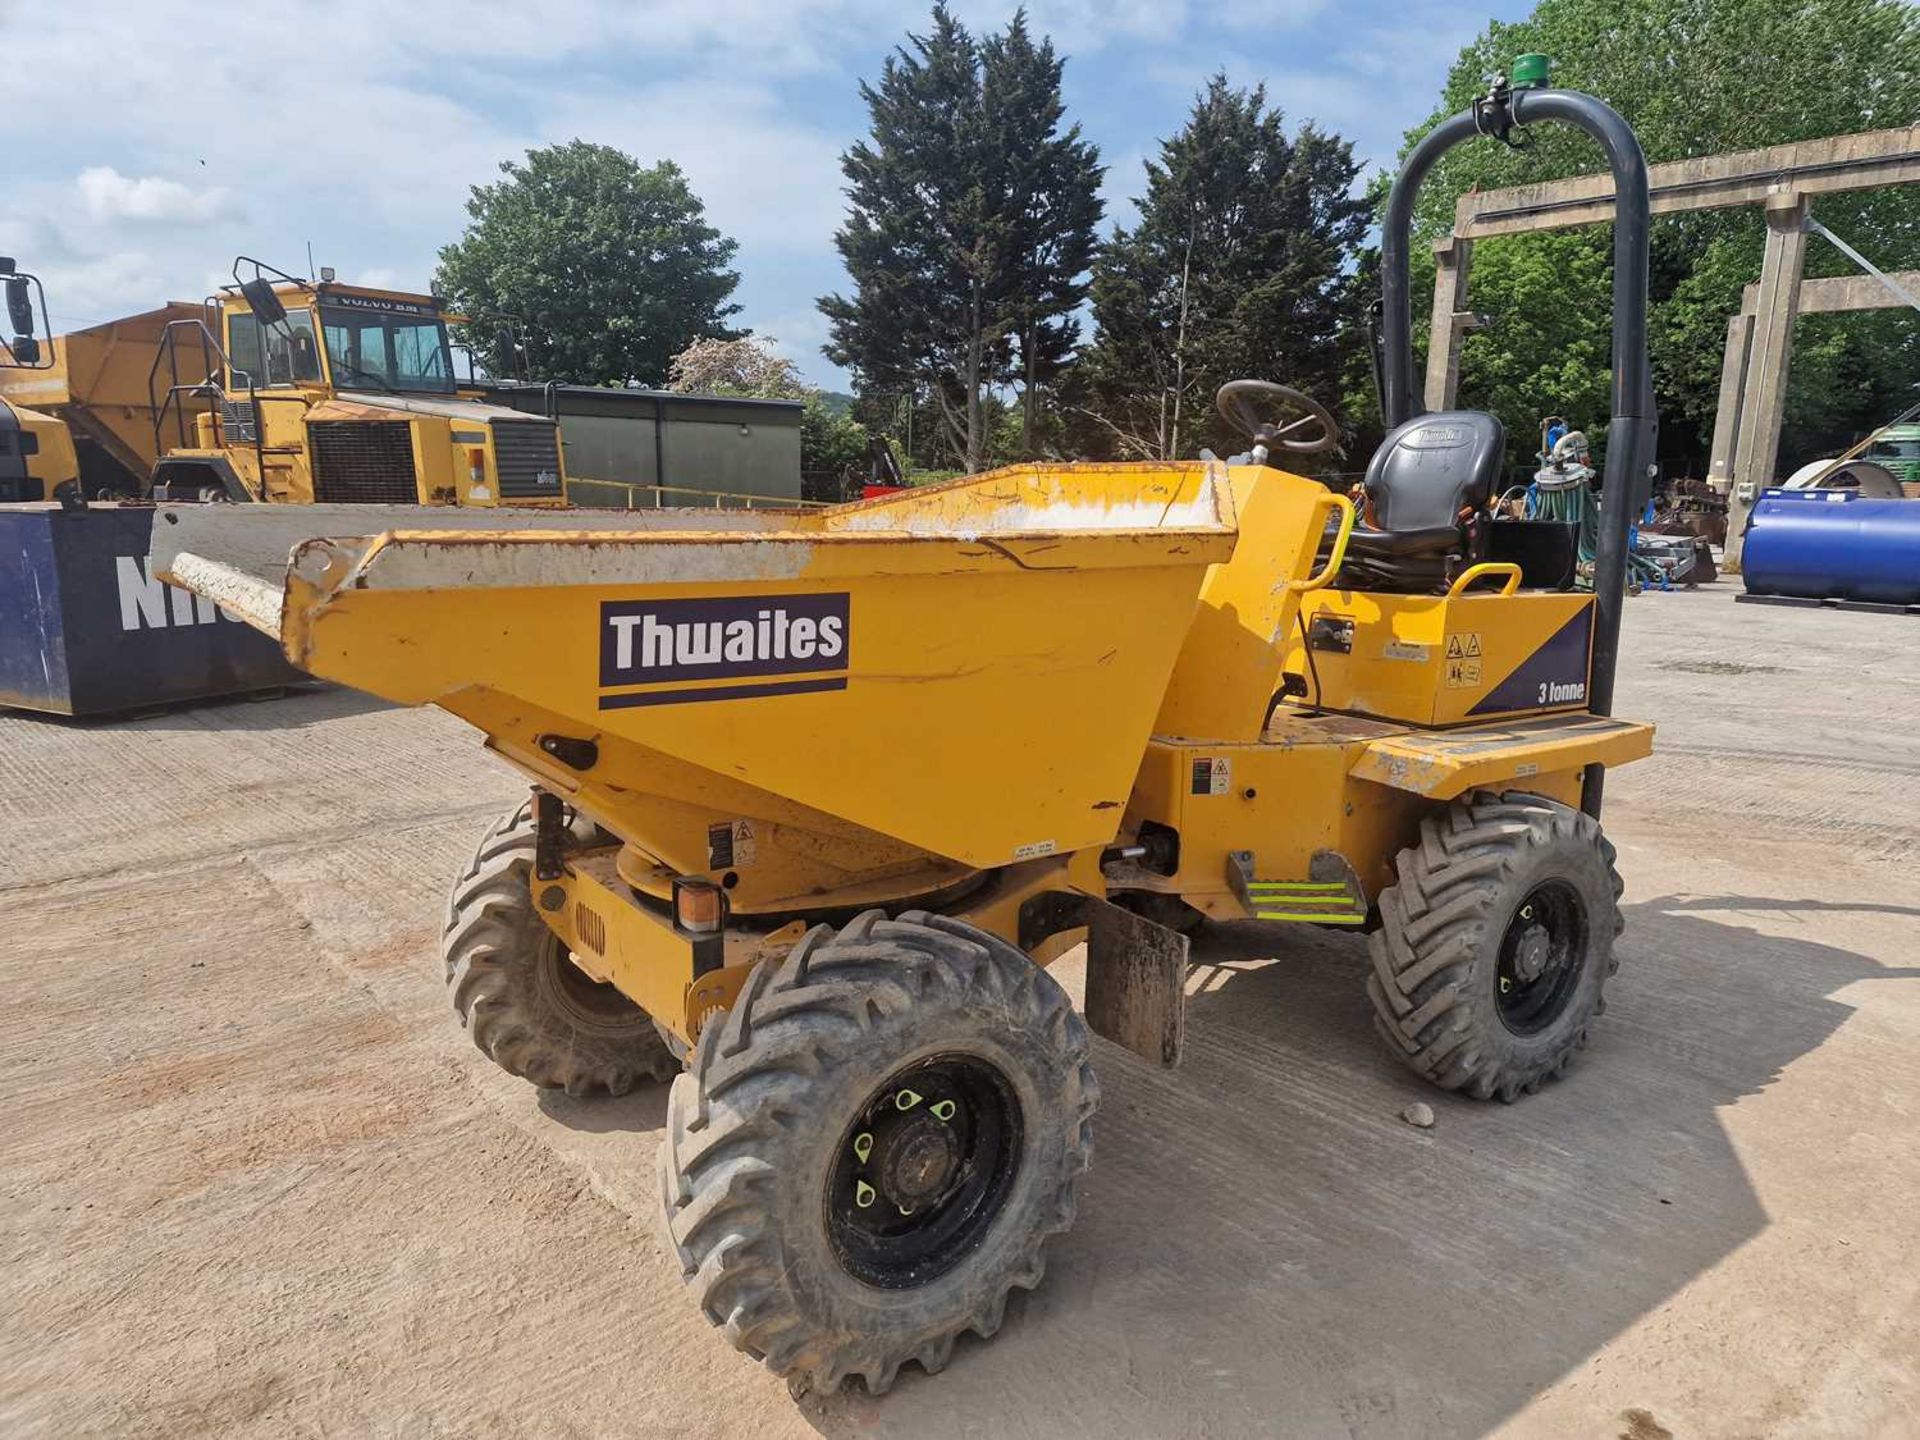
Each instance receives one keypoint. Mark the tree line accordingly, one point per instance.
(994, 312)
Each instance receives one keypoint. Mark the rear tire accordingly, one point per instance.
(1495, 942)
(798, 1242)
(532, 1011)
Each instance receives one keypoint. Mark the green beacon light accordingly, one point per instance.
(1530, 72)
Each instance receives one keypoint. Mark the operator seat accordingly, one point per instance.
(1426, 485)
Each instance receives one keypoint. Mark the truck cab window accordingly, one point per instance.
(382, 351)
(285, 355)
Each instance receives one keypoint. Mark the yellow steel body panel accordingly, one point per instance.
(1232, 659)
(52, 460)
(1028, 618)
(616, 940)
(98, 383)
(1444, 764)
(1447, 660)
(1345, 786)
(1024, 667)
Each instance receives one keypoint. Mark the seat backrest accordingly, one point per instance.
(1429, 469)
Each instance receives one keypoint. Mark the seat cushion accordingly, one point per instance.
(1438, 540)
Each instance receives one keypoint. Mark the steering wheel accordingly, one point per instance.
(1307, 432)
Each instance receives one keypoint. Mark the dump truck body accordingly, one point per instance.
(1089, 638)
(817, 793)
(350, 399)
(817, 797)
(96, 383)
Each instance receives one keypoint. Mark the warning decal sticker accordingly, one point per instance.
(731, 844)
(1212, 776)
(1464, 646)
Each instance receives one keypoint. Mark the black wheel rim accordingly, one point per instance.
(1542, 954)
(586, 1002)
(923, 1172)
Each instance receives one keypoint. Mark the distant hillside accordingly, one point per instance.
(838, 401)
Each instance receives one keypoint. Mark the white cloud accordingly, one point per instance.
(772, 184)
(108, 195)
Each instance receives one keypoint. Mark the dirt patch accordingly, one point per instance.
(1720, 667)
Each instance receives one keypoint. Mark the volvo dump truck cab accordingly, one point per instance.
(36, 449)
(300, 392)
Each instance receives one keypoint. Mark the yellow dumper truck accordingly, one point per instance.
(36, 450)
(280, 389)
(1116, 699)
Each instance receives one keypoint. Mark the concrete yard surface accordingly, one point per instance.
(256, 1182)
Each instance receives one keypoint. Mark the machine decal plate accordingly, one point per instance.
(804, 638)
(1212, 775)
(1554, 675)
(731, 845)
(1405, 650)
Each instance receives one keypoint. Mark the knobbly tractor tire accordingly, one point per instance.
(1495, 942)
(525, 1003)
(873, 1147)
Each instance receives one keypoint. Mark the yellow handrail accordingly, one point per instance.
(1475, 573)
(1330, 501)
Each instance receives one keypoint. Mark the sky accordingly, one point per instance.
(153, 141)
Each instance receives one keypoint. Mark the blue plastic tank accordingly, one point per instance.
(1833, 545)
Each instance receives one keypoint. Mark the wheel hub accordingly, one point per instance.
(1542, 956)
(923, 1171)
(917, 1162)
(1531, 955)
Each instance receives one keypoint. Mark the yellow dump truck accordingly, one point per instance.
(285, 390)
(1115, 700)
(36, 449)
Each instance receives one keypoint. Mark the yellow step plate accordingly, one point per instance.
(1442, 764)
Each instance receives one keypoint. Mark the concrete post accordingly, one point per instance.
(1453, 261)
(1756, 451)
(1733, 389)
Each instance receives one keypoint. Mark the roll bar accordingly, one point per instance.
(1634, 423)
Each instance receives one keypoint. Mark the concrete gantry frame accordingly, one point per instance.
(1783, 179)
(1817, 297)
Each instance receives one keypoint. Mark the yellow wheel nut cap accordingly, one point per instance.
(907, 1099)
(862, 1194)
(862, 1147)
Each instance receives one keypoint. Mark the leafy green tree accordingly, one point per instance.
(1694, 77)
(832, 442)
(1052, 182)
(971, 214)
(602, 267)
(1239, 266)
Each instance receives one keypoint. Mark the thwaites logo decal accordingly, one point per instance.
(780, 644)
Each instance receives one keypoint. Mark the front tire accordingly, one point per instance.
(1495, 942)
(528, 1007)
(875, 1144)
